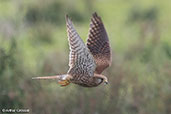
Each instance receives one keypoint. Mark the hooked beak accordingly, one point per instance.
(105, 82)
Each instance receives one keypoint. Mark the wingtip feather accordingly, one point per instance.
(94, 14)
(96, 17)
(66, 17)
(68, 20)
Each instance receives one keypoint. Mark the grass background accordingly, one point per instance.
(33, 42)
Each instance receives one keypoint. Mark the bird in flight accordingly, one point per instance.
(86, 61)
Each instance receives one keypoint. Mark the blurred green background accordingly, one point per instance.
(33, 42)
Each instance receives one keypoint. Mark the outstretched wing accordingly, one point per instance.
(80, 60)
(98, 44)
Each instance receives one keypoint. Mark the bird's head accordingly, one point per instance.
(101, 78)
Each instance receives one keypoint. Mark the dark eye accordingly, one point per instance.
(100, 80)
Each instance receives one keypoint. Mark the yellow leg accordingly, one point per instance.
(64, 82)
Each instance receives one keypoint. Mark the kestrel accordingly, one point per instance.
(86, 61)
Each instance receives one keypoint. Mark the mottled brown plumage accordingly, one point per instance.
(86, 62)
(98, 44)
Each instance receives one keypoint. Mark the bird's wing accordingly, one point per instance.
(80, 59)
(98, 44)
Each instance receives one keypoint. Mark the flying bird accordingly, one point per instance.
(86, 61)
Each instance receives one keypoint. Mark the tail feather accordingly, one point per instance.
(47, 77)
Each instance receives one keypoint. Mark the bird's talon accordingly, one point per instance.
(64, 82)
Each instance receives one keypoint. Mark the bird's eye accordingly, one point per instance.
(100, 80)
